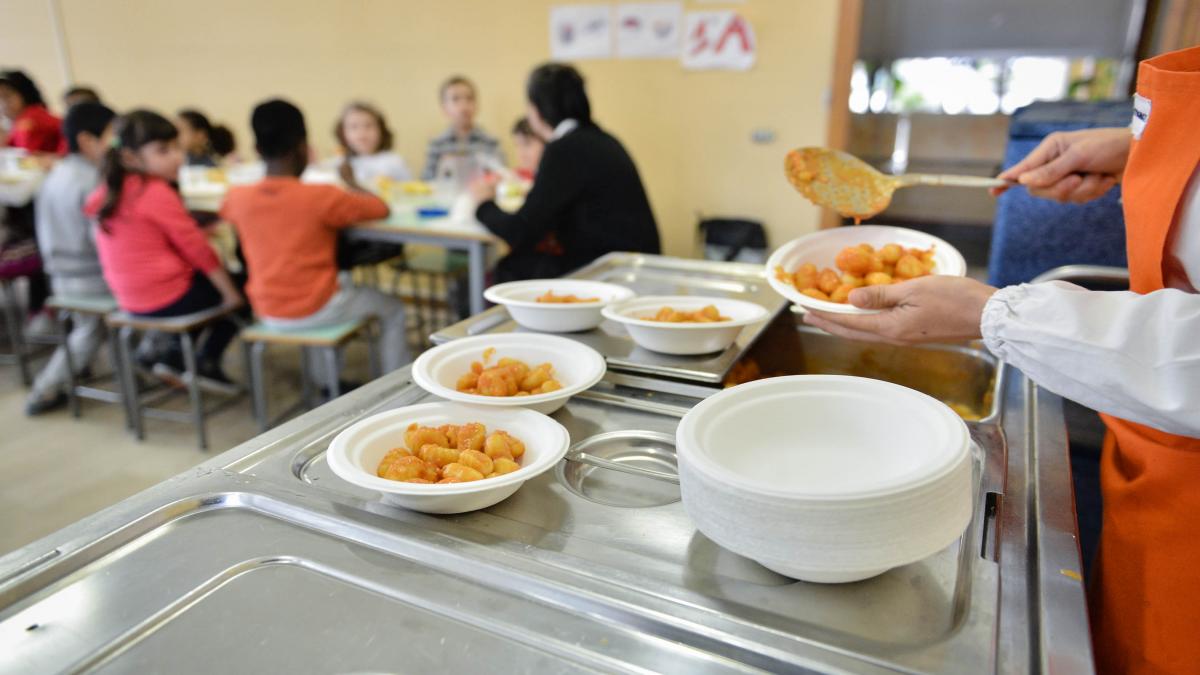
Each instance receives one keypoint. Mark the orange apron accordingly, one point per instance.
(1145, 601)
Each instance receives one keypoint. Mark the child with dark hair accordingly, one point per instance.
(463, 139)
(31, 126)
(529, 149)
(79, 94)
(67, 249)
(196, 136)
(288, 233)
(153, 253)
(366, 140)
(223, 143)
(588, 195)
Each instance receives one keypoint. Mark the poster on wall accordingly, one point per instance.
(580, 32)
(649, 30)
(720, 40)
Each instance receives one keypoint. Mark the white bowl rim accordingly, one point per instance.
(496, 293)
(482, 342)
(614, 311)
(344, 469)
(687, 444)
(789, 292)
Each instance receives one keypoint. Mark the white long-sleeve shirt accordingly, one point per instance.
(1133, 356)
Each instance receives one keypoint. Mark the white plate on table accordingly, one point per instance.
(821, 249)
(684, 338)
(355, 453)
(520, 299)
(576, 367)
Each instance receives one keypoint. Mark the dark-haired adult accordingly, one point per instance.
(588, 196)
(67, 249)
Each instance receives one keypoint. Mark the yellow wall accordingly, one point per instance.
(688, 131)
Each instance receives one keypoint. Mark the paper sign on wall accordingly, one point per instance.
(718, 41)
(649, 30)
(580, 32)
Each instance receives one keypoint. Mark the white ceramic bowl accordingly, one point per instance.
(684, 338)
(821, 249)
(576, 366)
(355, 453)
(826, 478)
(520, 298)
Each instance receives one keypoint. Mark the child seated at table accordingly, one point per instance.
(155, 257)
(463, 139)
(529, 149)
(366, 142)
(288, 232)
(196, 136)
(67, 249)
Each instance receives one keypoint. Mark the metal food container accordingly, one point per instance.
(261, 560)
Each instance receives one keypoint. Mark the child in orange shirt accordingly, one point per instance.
(288, 233)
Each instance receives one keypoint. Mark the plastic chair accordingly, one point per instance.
(733, 240)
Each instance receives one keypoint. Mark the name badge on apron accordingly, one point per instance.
(1141, 115)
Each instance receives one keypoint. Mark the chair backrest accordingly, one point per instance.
(1033, 235)
(733, 239)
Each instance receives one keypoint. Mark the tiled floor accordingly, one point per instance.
(55, 469)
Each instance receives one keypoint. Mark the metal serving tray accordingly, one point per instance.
(936, 615)
(261, 560)
(965, 377)
(652, 275)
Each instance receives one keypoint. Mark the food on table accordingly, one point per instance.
(706, 314)
(861, 265)
(509, 377)
(451, 453)
(550, 298)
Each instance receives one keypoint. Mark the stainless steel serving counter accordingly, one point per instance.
(261, 560)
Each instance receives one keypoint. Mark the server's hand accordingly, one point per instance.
(928, 309)
(1073, 166)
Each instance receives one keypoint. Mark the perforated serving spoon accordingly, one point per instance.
(855, 189)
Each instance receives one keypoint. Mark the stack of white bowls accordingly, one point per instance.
(826, 478)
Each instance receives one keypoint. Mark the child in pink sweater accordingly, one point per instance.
(155, 257)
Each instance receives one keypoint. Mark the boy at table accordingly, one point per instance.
(288, 233)
(64, 234)
(463, 139)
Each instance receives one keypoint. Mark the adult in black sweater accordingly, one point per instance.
(587, 199)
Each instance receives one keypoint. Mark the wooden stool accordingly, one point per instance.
(328, 340)
(100, 306)
(138, 407)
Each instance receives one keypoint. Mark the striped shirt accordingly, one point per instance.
(477, 142)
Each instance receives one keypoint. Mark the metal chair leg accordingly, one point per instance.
(129, 384)
(16, 331)
(258, 384)
(306, 384)
(331, 366)
(374, 341)
(64, 331)
(193, 386)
